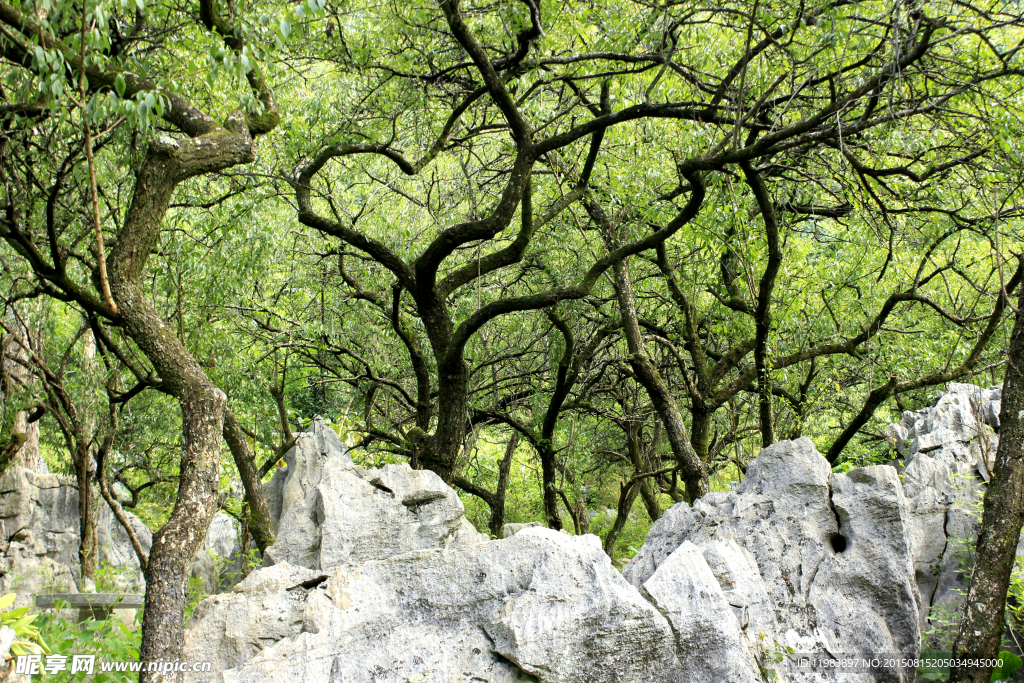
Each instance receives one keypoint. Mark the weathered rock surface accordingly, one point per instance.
(39, 541)
(38, 533)
(390, 583)
(538, 604)
(708, 636)
(331, 512)
(815, 561)
(948, 450)
(305, 461)
(513, 528)
(7, 638)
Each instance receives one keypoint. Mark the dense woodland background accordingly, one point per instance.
(582, 259)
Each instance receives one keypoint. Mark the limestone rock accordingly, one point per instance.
(229, 629)
(514, 528)
(832, 555)
(7, 638)
(948, 451)
(38, 534)
(39, 541)
(305, 461)
(538, 604)
(115, 548)
(709, 639)
(347, 515)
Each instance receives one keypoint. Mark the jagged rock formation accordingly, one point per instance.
(948, 450)
(38, 533)
(795, 556)
(39, 541)
(329, 512)
(379, 579)
(539, 604)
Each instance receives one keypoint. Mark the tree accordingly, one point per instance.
(34, 44)
(981, 627)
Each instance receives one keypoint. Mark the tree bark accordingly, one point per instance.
(627, 496)
(497, 520)
(83, 480)
(168, 163)
(642, 464)
(693, 470)
(176, 543)
(985, 604)
(762, 312)
(260, 524)
(443, 446)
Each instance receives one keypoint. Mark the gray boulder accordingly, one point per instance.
(335, 513)
(948, 450)
(803, 558)
(304, 462)
(539, 605)
(230, 629)
(7, 638)
(39, 541)
(708, 636)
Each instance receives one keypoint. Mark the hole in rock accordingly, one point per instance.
(839, 543)
(310, 584)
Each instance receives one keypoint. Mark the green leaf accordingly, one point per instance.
(1010, 664)
(119, 85)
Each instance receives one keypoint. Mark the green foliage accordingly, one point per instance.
(1011, 663)
(109, 640)
(899, 211)
(934, 673)
(30, 639)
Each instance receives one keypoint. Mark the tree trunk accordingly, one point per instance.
(261, 527)
(442, 447)
(87, 545)
(642, 464)
(700, 432)
(762, 313)
(497, 520)
(694, 472)
(627, 496)
(550, 486)
(985, 604)
(168, 163)
(175, 545)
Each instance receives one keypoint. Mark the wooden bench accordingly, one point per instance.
(91, 605)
